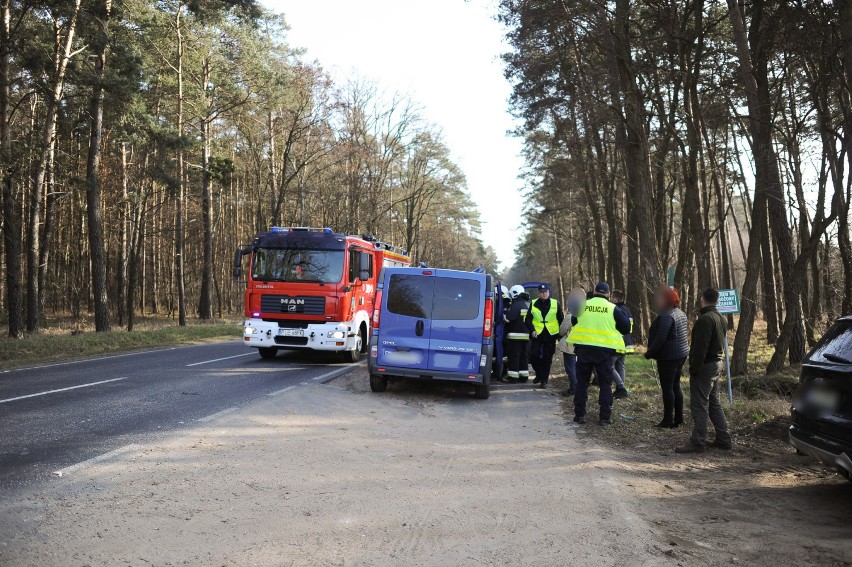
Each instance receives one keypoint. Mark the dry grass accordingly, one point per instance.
(65, 338)
(758, 418)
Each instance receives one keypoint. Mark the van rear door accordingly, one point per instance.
(458, 311)
(406, 314)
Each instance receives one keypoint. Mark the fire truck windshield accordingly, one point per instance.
(297, 265)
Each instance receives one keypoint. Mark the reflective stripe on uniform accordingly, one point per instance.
(518, 336)
(514, 374)
(596, 326)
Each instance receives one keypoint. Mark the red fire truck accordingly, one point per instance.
(312, 289)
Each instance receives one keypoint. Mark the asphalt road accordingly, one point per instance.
(56, 416)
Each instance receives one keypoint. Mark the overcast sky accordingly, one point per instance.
(445, 54)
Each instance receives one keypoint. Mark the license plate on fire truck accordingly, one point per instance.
(291, 333)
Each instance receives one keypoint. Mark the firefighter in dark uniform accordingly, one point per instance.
(517, 336)
(543, 321)
(597, 335)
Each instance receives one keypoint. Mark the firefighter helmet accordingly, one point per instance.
(516, 291)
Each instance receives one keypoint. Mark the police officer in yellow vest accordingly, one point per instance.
(597, 335)
(543, 321)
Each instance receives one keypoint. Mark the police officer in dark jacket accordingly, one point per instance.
(597, 334)
(705, 364)
(543, 321)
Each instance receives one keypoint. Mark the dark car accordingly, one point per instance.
(822, 408)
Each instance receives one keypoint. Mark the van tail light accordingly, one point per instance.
(377, 309)
(489, 318)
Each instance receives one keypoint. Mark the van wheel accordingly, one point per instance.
(482, 391)
(378, 383)
(267, 353)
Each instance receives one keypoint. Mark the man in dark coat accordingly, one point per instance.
(705, 356)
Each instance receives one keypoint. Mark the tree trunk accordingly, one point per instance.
(635, 150)
(11, 207)
(845, 8)
(770, 297)
(39, 172)
(739, 361)
(205, 305)
(181, 196)
(121, 271)
(93, 186)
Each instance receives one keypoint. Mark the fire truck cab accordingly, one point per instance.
(312, 289)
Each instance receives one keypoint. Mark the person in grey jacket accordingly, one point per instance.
(668, 344)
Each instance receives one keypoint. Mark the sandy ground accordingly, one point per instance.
(335, 475)
(759, 504)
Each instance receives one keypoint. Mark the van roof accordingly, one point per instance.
(436, 271)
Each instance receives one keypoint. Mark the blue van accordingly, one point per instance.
(432, 324)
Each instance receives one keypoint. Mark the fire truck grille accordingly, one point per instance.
(292, 304)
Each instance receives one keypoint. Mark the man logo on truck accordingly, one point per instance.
(291, 301)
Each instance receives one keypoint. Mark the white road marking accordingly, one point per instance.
(62, 390)
(282, 390)
(95, 460)
(99, 358)
(335, 373)
(213, 416)
(219, 359)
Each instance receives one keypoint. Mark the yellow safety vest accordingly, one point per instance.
(548, 322)
(596, 326)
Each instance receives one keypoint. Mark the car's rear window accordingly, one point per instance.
(836, 345)
(456, 299)
(449, 299)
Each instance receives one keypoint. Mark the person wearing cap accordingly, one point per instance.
(543, 321)
(597, 335)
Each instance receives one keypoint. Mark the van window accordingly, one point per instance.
(456, 299)
(411, 296)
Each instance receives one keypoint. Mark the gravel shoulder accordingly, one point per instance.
(759, 504)
(335, 475)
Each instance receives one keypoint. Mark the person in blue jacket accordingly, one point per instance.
(629, 347)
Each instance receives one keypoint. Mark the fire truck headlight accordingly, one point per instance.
(336, 334)
(249, 330)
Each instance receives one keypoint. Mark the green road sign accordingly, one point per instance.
(729, 302)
